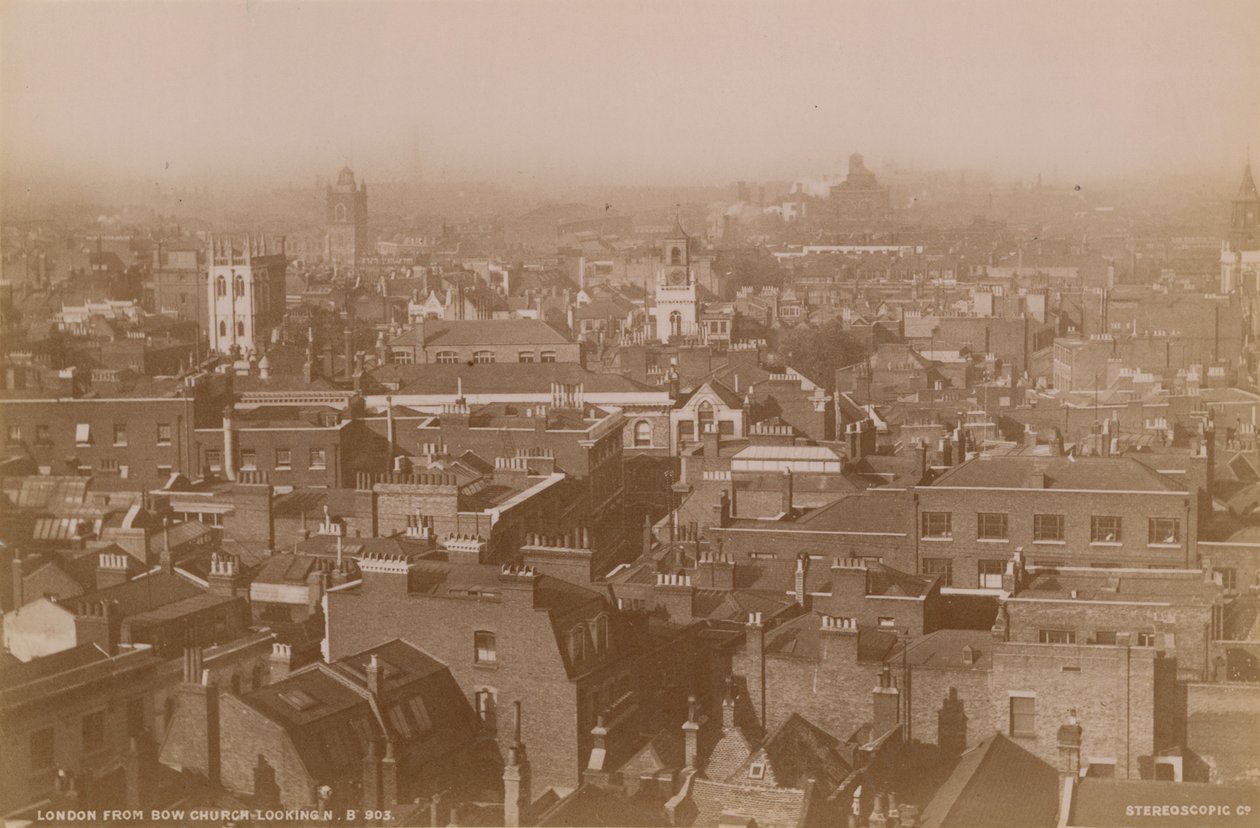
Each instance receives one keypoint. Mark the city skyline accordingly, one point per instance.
(629, 94)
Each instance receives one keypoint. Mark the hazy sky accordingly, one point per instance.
(605, 90)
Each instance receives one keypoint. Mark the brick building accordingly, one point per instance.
(481, 342)
(1110, 511)
(371, 730)
(131, 428)
(506, 635)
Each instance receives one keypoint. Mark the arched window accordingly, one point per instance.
(704, 412)
(222, 328)
(340, 212)
(675, 324)
(577, 644)
(240, 328)
(447, 357)
(220, 287)
(642, 433)
(675, 256)
(240, 286)
(483, 357)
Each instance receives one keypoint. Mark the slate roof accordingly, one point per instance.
(1083, 473)
(996, 783)
(799, 638)
(769, 807)
(502, 377)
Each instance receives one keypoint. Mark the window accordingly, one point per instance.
(222, 328)
(108, 464)
(1023, 716)
(991, 526)
(1162, 531)
(83, 434)
(939, 566)
(214, 459)
(164, 434)
(886, 621)
(483, 357)
(249, 459)
(94, 731)
(15, 434)
(990, 573)
(1056, 636)
(675, 324)
(404, 357)
(1229, 577)
(485, 703)
(937, 525)
(642, 434)
(525, 356)
(577, 644)
(1104, 529)
(42, 748)
(484, 651)
(284, 458)
(120, 434)
(240, 328)
(446, 358)
(599, 634)
(239, 288)
(1144, 639)
(704, 413)
(1047, 528)
(220, 288)
(318, 459)
(675, 256)
(547, 356)
(757, 770)
(41, 435)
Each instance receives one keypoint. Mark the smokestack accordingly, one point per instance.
(229, 444)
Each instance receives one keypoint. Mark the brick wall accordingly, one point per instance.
(1111, 689)
(965, 550)
(529, 666)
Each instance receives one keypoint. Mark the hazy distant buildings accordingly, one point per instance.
(860, 205)
(347, 220)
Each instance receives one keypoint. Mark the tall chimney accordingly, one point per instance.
(517, 796)
(691, 731)
(229, 444)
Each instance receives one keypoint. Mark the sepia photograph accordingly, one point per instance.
(616, 413)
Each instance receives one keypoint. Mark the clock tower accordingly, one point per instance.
(677, 311)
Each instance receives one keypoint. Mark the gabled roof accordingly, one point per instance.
(797, 752)
(996, 783)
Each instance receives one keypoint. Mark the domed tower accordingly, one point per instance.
(347, 220)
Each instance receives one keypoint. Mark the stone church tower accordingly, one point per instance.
(245, 287)
(677, 311)
(347, 220)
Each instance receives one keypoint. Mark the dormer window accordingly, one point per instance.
(577, 644)
(599, 634)
(757, 770)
